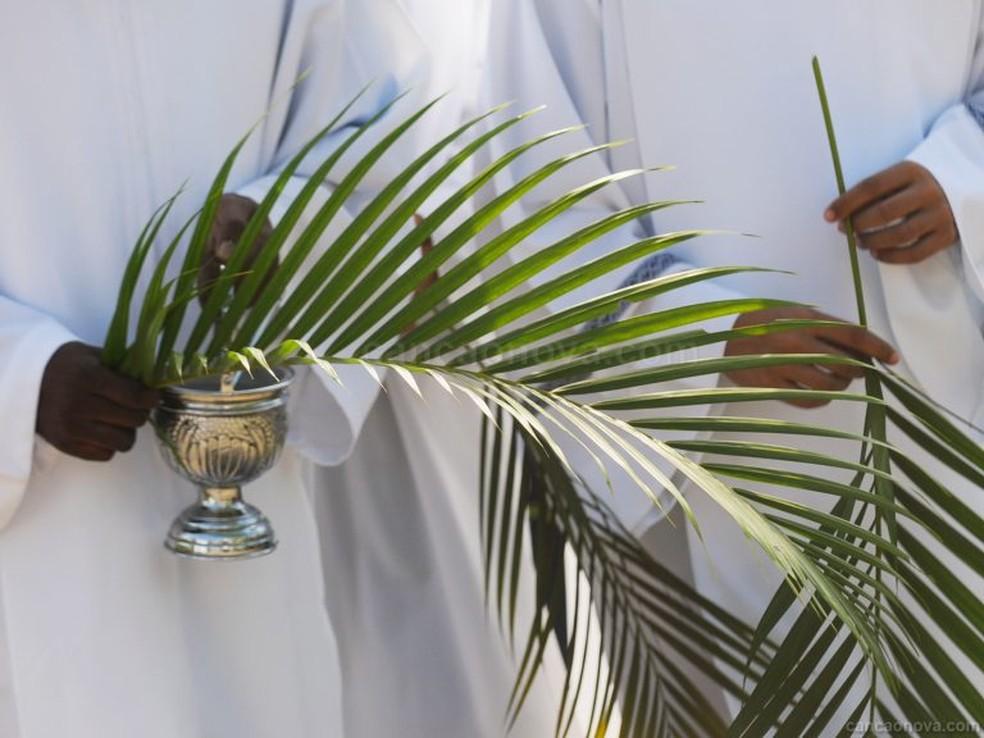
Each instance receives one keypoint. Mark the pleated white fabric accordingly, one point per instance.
(108, 107)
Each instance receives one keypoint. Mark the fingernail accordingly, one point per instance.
(894, 358)
(830, 216)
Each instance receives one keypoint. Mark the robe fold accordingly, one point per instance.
(422, 653)
(108, 108)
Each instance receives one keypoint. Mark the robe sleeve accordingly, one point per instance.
(939, 303)
(542, 54)
(340, 50)
(28, 338)
(954, 152)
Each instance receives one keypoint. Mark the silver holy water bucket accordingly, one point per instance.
(220, 440)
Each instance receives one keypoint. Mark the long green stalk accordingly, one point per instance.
(852, 244)
(875, 421)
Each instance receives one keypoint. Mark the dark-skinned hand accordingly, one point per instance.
(89, 411)
(231, 217)
(901, 215)
(852, 341)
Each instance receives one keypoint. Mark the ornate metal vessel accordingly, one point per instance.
(220, 440)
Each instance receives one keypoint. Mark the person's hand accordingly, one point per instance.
(231, 217)
(850, 340)
(89, 411)
(901, 215)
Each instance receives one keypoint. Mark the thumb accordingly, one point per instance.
(223, 252)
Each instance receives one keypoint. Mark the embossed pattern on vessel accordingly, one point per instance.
(218, 451)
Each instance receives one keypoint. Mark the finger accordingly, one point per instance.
(859, 342)
(768, 378)
(811, 377)
(791, 341)
(109, 436)
(103, 410)
(869, 190)
(230, 221)
(809, 342)
(222, 243)
(920, 251)
(223, 252)
(803, 402)
(900, 236)
(125, 392)
(88, 451)
(848, 372)
(808, 404)
(889, 210)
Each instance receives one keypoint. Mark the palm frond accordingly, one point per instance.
(874, 603)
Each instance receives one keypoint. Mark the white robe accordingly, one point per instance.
(724, 91)
(421, 654)
(108, 107)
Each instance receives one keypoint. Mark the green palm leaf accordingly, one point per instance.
(867, 584)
